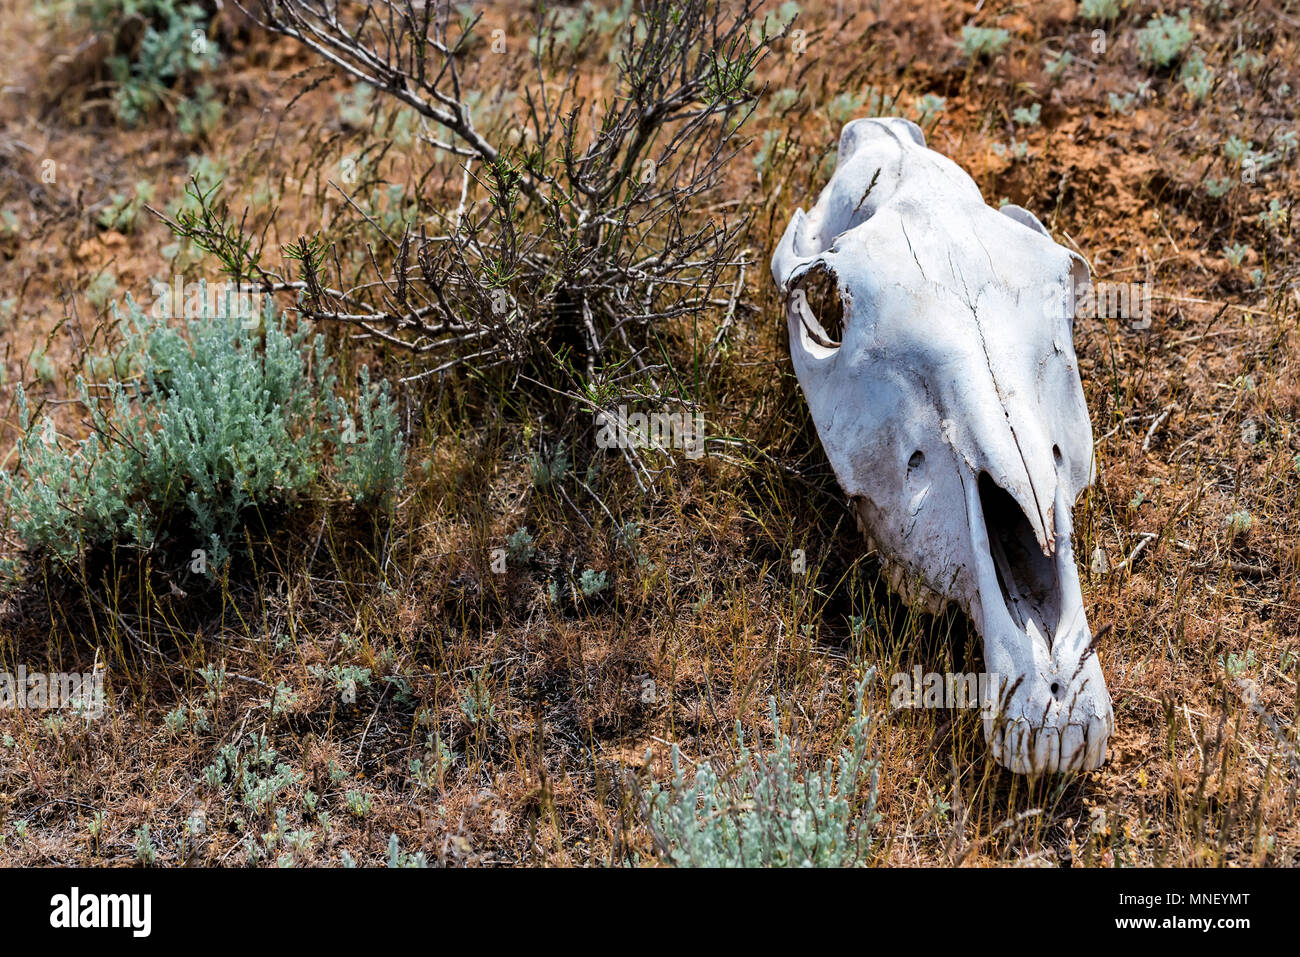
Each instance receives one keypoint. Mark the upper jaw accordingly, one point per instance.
(1031, 730)
(1053, 714)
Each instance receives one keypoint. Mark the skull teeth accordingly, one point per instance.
(901, 580)
(908, 586)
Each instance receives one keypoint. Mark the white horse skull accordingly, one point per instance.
(932, 337)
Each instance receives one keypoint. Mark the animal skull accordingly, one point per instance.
(932, 337)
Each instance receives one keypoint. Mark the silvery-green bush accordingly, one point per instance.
(191, 427)
(172, 49)
(1164, 38)
(370, 456)
(772, 810)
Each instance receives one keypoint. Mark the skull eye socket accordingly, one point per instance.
(816, 299)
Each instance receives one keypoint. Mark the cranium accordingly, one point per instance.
(932, 338)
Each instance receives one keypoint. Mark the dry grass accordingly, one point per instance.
(549, 708)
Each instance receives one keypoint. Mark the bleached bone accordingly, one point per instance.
(932, 337)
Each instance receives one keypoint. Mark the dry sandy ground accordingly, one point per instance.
(1195, 420)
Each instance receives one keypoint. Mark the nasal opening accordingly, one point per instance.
(1027, 578)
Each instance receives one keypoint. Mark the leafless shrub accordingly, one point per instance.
(580, 234)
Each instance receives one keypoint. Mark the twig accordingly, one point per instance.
(1146, 443)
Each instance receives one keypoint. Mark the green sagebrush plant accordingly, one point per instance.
(170, 51)
(370, 456)
(195, 425)
(158, 50)
(771, 810)
(1164, 38)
